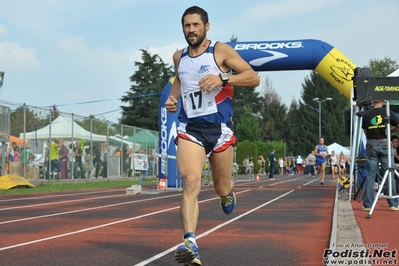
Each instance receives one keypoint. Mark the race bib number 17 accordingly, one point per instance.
(198, 103)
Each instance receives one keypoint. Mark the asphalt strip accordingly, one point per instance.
(345, 231)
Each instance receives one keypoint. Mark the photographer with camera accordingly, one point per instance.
(374, 127)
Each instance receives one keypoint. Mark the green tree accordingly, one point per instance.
(248, 127)
(272, 112)
(243, 99)
(17, 120)
(243, 149)
(143, 97)
(303, 120)
(265, 148)
(382, 67)
(291, 130)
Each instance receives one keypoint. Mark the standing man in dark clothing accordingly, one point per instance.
(374, 126)
(78, 160)
(97, 161)
(272, 160)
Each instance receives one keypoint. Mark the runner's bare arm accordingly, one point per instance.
(227, 58)
(246, 76)
(175, 92)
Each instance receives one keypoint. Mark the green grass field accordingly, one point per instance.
(55, 186)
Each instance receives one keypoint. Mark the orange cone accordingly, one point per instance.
(257, 177)
(162, 184)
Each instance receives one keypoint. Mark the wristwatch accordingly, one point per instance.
(225, 78)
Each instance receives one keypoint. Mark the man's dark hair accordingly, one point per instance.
(195, 10)
(394, 137)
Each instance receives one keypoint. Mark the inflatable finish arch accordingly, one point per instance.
(306, 54)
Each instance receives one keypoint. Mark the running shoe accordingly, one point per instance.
(188, 254)
(228, 203)
(366, 209)
(394, 208)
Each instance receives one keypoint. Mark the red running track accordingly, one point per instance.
(286, 221)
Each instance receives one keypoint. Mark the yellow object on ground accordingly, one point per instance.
(14, 181)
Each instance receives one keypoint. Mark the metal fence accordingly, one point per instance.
(125, 150)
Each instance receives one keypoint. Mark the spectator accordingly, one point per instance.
(272, 161)
(104, 161)
(261, 163)
(87, 166)
(97, 164)
(245, 163)
(235, 170)
(125, 160)
(54, 159)
(10, 151)
(71, 160)
(305, 166)
(292, 166)
(1, 156)
(78, 153)
(117, 152)
(63, 157)
(281, 165)
(299, 162)
(287, 165)
(26, 158)
(342, 163)
(251, 167)
(333, 161)
(47, 159)
(129, 162)
(311, 163)
(16, 155)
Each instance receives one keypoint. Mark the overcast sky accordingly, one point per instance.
(68, 52)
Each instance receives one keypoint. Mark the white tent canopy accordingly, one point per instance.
(114, 140)
(394, 74)
(338, 148)
(62, 128)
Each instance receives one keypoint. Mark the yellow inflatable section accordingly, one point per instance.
(338, 70)
(14, 181)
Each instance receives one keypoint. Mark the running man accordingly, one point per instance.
(321, 153)
(204, 83)
(333, 160)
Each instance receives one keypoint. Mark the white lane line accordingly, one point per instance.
(250, 182)
(83, 210)
(100, 226)
(311, 181)
(61, 202)
(62, 195)
(58, 202)
(159, 255)
(285, 181)
(85, 230)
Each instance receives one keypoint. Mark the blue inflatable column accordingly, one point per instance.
(167, 134)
